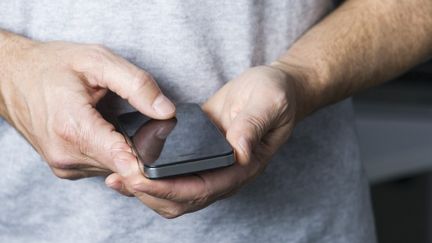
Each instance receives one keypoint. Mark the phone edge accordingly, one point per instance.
(189, 167)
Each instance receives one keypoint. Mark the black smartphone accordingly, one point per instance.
(188, 143)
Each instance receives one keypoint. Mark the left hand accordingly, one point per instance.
(257, 112)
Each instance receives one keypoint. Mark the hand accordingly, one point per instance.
(51, 90)
(257, 112)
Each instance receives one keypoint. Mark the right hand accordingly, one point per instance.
(49, 92)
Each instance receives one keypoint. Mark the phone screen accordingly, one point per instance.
(189, 136)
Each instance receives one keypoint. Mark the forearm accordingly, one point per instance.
(10, 47)
(4, 37)
(361, 44)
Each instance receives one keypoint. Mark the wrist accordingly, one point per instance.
(4, 42)
(306, 84)
(12, 48)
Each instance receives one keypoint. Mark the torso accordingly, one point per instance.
(313, 190)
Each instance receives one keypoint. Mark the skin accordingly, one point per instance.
(58, 115)
(361, 44)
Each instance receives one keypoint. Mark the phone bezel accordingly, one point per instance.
(188, 167)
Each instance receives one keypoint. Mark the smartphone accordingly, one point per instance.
(186, 144)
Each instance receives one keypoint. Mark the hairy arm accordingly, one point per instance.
(361, 44)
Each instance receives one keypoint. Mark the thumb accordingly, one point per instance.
(97, 139)
(104, 69)
(248, 128)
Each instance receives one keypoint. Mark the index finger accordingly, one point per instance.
(198, 188)
(102, 68)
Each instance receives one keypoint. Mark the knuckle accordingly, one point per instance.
(123, 156)
(65, 174)
(120, 143)
(146, 187)
(204, 197)
(279, 99)
(90, 60)
(140, 80)
(58, 157)
(258, 125)
(170, 195)
(61, 163)
(201, 199)
(95, 54)
(98, 48)
(170, 212)
(74, 134)
(171, 191)
(125, 191)
(66, 130)
(88, 56)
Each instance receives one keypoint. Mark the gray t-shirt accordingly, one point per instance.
(314, 190)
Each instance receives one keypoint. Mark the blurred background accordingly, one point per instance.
(394, 123)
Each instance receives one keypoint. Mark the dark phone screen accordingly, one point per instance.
(189, 136)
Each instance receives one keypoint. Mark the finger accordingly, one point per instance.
(249, 126)
(276, 137)
(92, 136)
(114, 182)
(101, 68)
(166, 208)
(73, 174)
(198, 189)
(68, 156)
(215, 106)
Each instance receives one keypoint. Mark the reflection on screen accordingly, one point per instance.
(189, 136)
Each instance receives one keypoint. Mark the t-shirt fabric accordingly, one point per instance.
(313, 190)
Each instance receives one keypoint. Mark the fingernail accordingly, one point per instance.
(163, 106)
